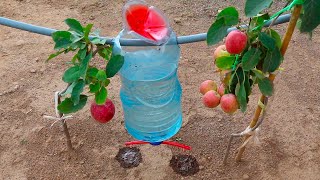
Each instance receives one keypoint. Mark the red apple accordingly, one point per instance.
(103, 113)
(207, 85)
(229, 103)
(220, 51)
(236, 41)
(211, 99)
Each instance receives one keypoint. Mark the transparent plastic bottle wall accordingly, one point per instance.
(150, 91)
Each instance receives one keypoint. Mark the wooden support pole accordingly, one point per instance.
(285, 42)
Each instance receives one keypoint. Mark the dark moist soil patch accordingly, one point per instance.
(129, 157)
(185, 165)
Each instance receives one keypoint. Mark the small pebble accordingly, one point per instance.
(20, 42)
(33, 71)
(91, 17)
(177, 20)
(214, 173)
(245, 176)
(42, 69)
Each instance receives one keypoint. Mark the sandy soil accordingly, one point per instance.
(30, 149)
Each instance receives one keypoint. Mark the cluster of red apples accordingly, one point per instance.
(213, 95)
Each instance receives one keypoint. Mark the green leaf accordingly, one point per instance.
(225, 62)
(254, 7)
(258, 21)
(101, 96)
(250, 59)
(92, 72)
(272, 61)
(105, 52)
(114, 65)
(276, 37)
(230, 16)
(71, 75)
(87, 30)
(77, 90)
(69, 90)
(218, 30)
(82, 53)
(75, 45)
(265, 86)
(106, 82)
(247, 85)
(54, 55)
(73, 60)
(67, 106)
(311, 16)
(267, 41)
(101, 75)
(83, 45)
(259, 74)
(62, 39)
(95, 40)
(236, 77)
(241, 96)
(75, 39)
(74, 25)
(94, 88)
(84, 65)
(98, 40)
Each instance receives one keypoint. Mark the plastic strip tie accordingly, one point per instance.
(253, 136)
(58, 117)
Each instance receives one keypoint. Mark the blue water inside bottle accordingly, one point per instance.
(151, 91)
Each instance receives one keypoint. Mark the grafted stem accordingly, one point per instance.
(65, 128)
(285, 43)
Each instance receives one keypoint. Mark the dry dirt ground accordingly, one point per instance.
(30, 149)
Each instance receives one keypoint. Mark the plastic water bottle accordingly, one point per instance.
(150, 91)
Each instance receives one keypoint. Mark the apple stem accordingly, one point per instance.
(65, 128)
(285, 42)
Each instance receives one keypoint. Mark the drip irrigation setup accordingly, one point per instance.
(124, 42)
(260, 56)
